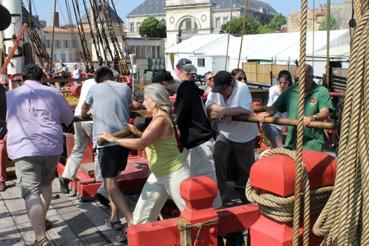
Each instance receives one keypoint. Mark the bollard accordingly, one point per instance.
(198, 222)
(275, 174)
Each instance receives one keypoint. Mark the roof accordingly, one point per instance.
(114, 17)
(156, 7)
(280, 46)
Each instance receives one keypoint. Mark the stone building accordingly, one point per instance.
(340, 11)
(186, 18)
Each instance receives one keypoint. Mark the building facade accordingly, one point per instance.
(342, 12)
(186, 18)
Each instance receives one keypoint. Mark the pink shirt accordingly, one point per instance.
(34, 118)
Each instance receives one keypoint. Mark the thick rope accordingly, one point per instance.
(344, 220)
(300, 128)
(184, 227)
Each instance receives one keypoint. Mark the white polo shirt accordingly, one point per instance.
(236, 131)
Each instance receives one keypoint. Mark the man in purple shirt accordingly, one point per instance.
(35, 142)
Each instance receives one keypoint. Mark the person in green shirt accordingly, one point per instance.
(317, 107)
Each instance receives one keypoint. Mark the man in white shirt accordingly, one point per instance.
(76, 74)
(229, 98)
(82, 137)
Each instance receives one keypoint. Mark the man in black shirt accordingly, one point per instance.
(196, 134)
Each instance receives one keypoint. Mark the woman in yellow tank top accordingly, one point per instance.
(166, 163)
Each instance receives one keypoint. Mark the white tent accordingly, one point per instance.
(277, 47)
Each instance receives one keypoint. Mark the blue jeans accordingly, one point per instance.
(274, 134)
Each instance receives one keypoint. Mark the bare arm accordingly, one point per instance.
(85, 113)
(153, 132)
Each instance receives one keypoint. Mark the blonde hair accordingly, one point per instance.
(159, 95)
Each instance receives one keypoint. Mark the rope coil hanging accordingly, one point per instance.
(344, 220)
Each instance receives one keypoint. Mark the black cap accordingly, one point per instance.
(183, 61)
(161, 76)
(221, 79)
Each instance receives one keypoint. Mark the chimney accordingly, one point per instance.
(55, 18)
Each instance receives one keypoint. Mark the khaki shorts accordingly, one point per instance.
(34, 172)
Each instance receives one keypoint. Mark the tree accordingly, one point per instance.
(252, 26)
(152, 28)
(333, 25)
(277, 22)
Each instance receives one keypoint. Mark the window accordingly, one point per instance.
(158, 52)
(47, 43)
(66, 44)
(143, 50)
(138, 52)
(225, 20)
(149, 55)
(153, 52)
(58, 44)
(217, 22)
(131, 27)
(74, 44)
(201, 62)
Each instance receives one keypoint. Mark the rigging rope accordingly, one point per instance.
(91, 31)
(229, 36)
(243, 32)
(344, 220)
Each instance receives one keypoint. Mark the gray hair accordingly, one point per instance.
(158, 94)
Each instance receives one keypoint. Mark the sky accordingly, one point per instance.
(45, 7)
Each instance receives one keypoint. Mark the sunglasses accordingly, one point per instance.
(210, 78)
(241, 78)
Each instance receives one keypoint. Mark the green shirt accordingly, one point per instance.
(163, 155)
(317, 99)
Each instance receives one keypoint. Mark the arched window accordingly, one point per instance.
(187, 28)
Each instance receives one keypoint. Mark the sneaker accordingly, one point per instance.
(2, 186)
(64, 188)
(122, 238)
(115, 225)
(102, 199)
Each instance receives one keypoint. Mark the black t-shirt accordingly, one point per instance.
(190, 115)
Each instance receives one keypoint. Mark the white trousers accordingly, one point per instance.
(82, 136)
(156, 192)
(201, 163)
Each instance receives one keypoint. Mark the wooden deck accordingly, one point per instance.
(74, 222)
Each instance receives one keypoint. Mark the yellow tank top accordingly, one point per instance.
(163, 155)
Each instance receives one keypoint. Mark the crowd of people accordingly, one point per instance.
(180, 141)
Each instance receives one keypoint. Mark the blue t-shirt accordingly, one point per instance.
(111, 101)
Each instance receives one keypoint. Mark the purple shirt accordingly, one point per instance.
(34, 117)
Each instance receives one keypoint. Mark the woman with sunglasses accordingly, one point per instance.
(275, 132)
(239, 75)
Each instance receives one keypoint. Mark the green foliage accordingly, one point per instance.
(253, 26)
(277, 22)
(333, 24)
(152, 28)
(236, 25)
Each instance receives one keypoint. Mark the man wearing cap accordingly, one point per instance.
(229, 98)
(179, 66)
(196, 134)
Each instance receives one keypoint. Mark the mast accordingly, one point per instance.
(53, 35)
(10, 34)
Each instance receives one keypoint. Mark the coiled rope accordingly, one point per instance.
(282, 208)
(344, 220)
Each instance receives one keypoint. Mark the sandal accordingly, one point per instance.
(115, 225)
(48, 224)
(122, 238)
(43, 242)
